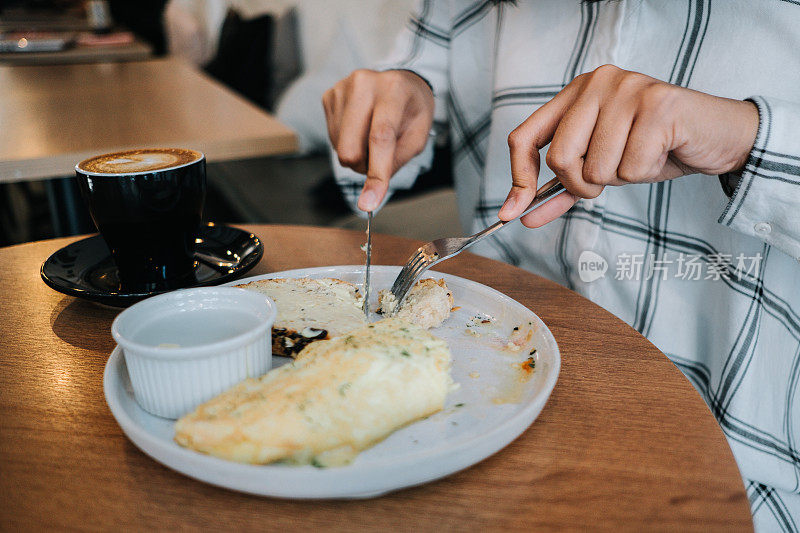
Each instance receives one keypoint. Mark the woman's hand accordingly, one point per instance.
(612, 127)
(377, 122)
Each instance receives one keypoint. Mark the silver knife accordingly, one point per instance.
(369, 261)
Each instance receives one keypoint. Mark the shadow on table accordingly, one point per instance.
(70, 319)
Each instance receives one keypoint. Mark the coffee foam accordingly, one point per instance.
(136, 161)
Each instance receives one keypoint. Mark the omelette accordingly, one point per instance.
(337, 398)
(311, 309)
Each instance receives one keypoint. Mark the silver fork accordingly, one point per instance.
(437, 251)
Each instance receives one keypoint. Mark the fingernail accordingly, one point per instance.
(367, 201)
(509, 205)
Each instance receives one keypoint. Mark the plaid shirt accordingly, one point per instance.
(712, 279)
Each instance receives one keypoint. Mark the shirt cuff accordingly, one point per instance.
(766, 202)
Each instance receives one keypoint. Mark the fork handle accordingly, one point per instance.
(549, 190)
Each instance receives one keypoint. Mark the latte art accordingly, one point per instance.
(146, 160)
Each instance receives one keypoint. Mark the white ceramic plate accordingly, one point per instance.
(497, 400)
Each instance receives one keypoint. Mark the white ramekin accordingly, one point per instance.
(171, 381)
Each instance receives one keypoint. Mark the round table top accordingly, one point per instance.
(624, 441)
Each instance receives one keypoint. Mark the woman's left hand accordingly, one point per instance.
(613, 127)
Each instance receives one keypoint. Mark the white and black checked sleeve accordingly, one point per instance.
(766, 203)
(423, 48)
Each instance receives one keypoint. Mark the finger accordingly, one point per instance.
(416, 120)
(337, 107)
(351, 145)
(646, 150)
(384, 130)
(570, 143)
(524, 144)
(549, 211)
(607, 142)
(412, 140)
(330, 117)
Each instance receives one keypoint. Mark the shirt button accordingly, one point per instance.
(762, 227)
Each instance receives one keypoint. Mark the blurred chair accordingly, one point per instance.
(192, 29)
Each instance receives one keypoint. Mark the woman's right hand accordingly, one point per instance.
(377, 122)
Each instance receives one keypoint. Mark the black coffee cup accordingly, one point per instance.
(147, 204)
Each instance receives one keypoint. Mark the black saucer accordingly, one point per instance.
(85, 269)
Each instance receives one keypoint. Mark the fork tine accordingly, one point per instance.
(412, 279)
(400, 280)
(408, 282)
(408, 278)
(412, 263)
(419, 259)
(405, 284)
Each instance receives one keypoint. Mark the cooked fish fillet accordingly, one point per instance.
(310, 310)
(427, 304)
(338, 397)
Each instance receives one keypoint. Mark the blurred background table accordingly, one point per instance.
(138, 50)
(624, 442)
(54, 116)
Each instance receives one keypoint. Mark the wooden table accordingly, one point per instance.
(54, 116)
(624, 441)
(135, 51)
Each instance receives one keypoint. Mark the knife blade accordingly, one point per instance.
(369, 262)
